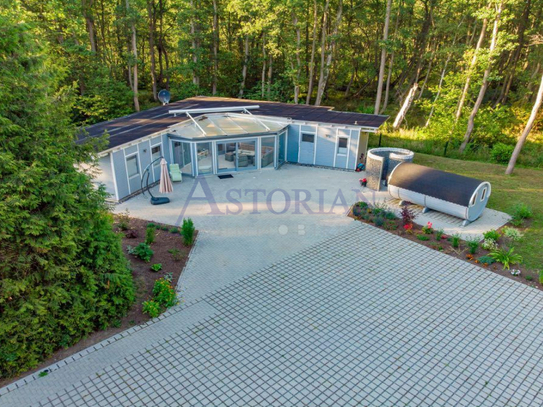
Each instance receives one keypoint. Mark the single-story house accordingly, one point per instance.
(212, 135)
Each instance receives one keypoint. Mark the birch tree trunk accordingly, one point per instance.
(383, 59)
(472, 64)
(264, 60)
(89, 20)
(215, 48)
(323, 51)
(405, 107)
(298, 59)
(195, 47)
(313, 49)
(270, 72)
(135, 55)
(152, 21)
(526, 132)
(332, 47)
(244, 69)
(484, 85)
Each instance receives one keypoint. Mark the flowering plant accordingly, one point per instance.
(428, 228)
(408, 227)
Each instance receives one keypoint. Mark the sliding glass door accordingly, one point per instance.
(226, 157)
(181, 156)
(236, 156)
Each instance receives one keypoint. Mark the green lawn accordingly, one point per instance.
(525, 185)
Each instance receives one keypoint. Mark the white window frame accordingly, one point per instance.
(128, 157)
(346, 146)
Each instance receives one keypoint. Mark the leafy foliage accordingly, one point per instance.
(62, 270)
(473, 245)
(492, 235)
(512, 233)
(488, 260)
(150, 234)
(156, 267)
(501, 153)
(142, 251)
(164, 293)
(151, 308)
(407, 215)
(507, 257)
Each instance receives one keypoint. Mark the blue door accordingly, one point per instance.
(307, 148)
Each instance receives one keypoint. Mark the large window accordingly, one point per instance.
(267, 153)
(181, 156)
(132, 167)
(342, 145)
(155, 152)
(308, 138)
(205, 165)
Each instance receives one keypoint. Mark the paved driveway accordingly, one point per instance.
(237, 238)
(364, 318)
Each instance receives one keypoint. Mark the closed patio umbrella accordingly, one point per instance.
(165, 181)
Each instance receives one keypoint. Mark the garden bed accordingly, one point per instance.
(144, 279)
(427, 236)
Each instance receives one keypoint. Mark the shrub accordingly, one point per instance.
(492, 235)
(150, 234)
(407, 215)
(390, 215)
(489, 244)
(486, 260)
(379, 221)
(174, 230)
(123, 220)
(439, 234)
(423, 237)
(391, 225)
(141, 251)
(362, 205)
(63, 274)
(156, 267)
(176, 254)
(164, 293)
(507, 257)
(187, 231)
(529, 277)
(164, 228)
(512, 233)
(455, 241)
(151, 225)
(521, 212)
(501, 153)
(151, 308)
(473, 245)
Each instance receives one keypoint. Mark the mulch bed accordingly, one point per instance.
(144, 280)
(444, 245)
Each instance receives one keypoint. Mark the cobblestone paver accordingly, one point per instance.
(365, 318)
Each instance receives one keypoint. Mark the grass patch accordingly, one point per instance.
(525, 185)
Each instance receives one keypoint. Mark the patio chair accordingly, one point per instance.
(175, 173)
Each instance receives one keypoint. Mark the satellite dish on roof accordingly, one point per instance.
(164, 96)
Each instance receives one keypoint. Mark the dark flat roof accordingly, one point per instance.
(137, 125)
(439, 184)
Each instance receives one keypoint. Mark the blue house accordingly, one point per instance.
(211, 135)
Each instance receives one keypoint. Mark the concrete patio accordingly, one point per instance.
(363, 318)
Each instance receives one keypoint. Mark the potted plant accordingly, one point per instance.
(363, 182)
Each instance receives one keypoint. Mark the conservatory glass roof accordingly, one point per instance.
(217, 125)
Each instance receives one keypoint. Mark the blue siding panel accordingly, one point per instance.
(353, 159)
(120, 173)
(293, 143)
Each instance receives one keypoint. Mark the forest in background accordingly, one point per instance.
(454, 75)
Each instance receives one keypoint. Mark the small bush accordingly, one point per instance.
(379, 221)
(529, 277)
(423, 237)
(489, 244)
(362, 205)
(151, 225)
(486, 260)
(164, 293)
(176, 254)
(473, 245)
(164, 228)
(507, 257)
(512, 233)
(174, 230)
(187, 231)
(521, 212)
(151, 308)
(439, 234)
(141, 251)
(150, 234)
(156, 267)
(391, 225)
(501, 153)
(455, 241)
(492, 235)
(390, 215)
(123, 220)
(407, 215)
